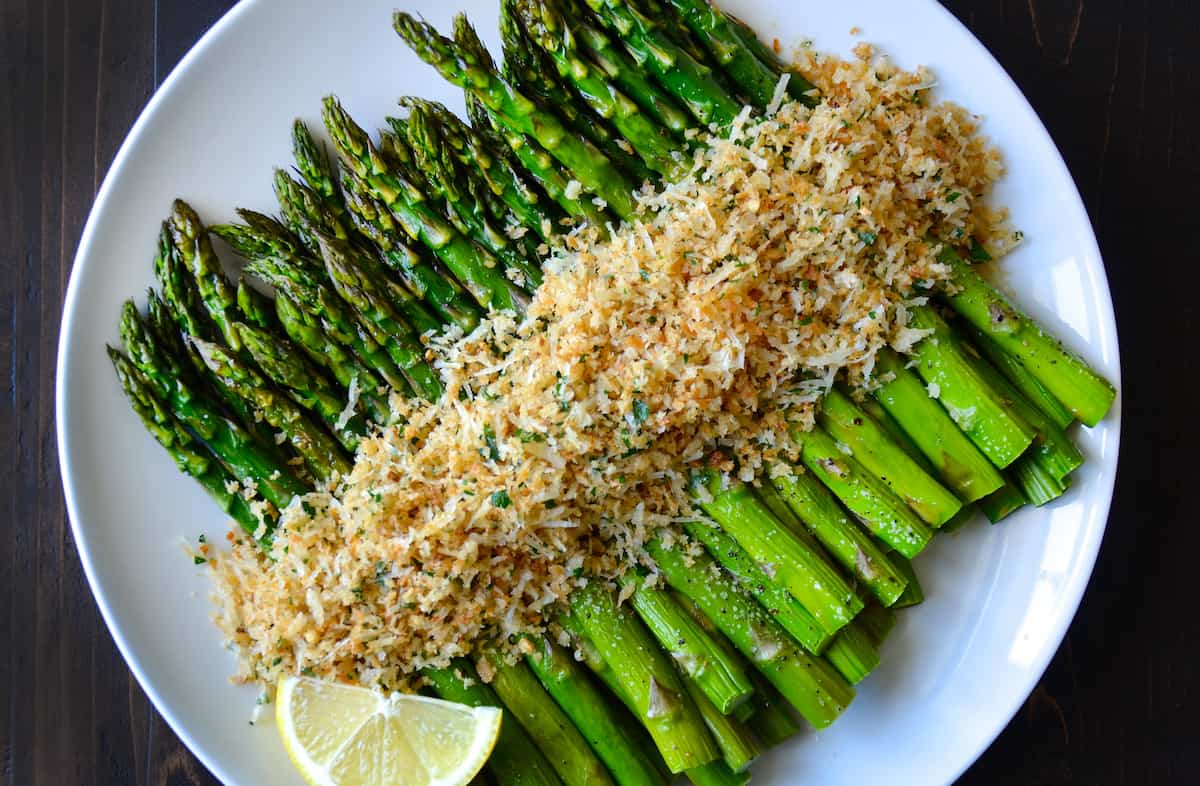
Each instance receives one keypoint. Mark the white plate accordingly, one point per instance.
(957, 668)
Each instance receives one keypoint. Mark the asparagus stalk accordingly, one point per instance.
(321, 453)
(1002, 503)
(374, 221)
(878, 622)
(473, 218)
(799, 88)
(810, 684)
(196, 252)
(676, 70)
(374, 310)
(779, 603)
(960, 465)
(260, 236)
(869, 498)
(542, 166)
(244, 457)
(853, 653)
(517, 112)
(794, 564)
(494, 167)
(885, 421)
(546, 25)
(324, 308)
(547, 725)
(718, 676)
(532, 72)
(978, 409)
(1084, 392)
(315, 166)
(772, 721)
(647, 678)
(874, 449)
(1053, 453)
(476, 269)
(606, 729)
(515, 761)
(1029, 385)
(844, 540)
(710, 25)
(350, 372)
(285, 365)
(913, 593)
(256, 308)
(189, 455)
(717, 773)
(624, 72)
(738, 747)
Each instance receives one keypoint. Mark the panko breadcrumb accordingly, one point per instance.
(787, 257)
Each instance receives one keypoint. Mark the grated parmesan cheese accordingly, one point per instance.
(708, 328)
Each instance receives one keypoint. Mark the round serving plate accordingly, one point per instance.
(956, 668)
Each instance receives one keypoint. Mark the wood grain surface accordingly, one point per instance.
(1116, 82)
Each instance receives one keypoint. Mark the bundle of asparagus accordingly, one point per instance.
(782, 601)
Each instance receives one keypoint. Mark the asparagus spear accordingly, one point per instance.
(545, 25)
(547, 725)
(960, 465)
(710, 25)
(718, 676)
(375, 222)
(810, 684)
(285, 365)
(623, 71)
(473, 220)
(517, 112)
(878, 622)
(322, 454)
(1088, 395)
(647, 678)
(717, 773)
(541, 165)
(869, 498)
(1002, 503)
(799, 88)
(195, 249)
(346, 368)
(515, 761)
(531, 71)
(795, 565)
(502, 175)
(779, 603)
(229, 442)
(738, 747)
(844, 540)
(189, 455)
(606, 729)
(773, 720)
(975, 406)
(873, 448)
(324, 308)
(1029, 385)
(853, 653)
(692, 83)
(256, 308)
(913, 593)
(376, 314)
(315, 166)
(260, 236)
(475, 268)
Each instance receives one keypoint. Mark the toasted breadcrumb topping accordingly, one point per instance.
(787, 256)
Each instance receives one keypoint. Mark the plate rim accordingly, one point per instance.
(1073, 593)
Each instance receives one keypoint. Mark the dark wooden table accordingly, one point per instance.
(1118, 84)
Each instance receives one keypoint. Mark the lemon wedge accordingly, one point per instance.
(340, 735)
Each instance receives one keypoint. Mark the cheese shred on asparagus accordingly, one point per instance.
(787, 256)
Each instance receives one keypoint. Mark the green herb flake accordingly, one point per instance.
(197, 559)
(952, 196)
(979, 253)
(501, 499)
(640, 411)
(868, 238)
